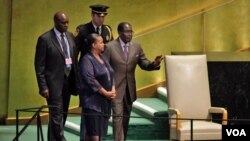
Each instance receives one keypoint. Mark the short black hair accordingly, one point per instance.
(91, 38)
(121, 25)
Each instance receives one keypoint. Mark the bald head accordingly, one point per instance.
(61, 21)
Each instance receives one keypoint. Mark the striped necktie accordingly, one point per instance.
(64, 46)
(65, 51)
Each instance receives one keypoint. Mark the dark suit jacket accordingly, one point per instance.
(125, 70)
(50, 64)
(85, 29)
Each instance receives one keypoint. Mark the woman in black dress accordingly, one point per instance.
(97, 89)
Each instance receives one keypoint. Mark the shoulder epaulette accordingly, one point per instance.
(109, 29)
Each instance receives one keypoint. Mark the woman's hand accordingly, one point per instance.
(110, 95)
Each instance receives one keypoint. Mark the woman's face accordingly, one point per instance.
(99, 45)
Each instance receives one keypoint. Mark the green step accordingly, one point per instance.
(153, 107)
(73, 122)
(162, 93)
(147, 122)
(138, 125)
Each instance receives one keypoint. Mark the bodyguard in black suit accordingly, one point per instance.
(56, 70)
(96, 25)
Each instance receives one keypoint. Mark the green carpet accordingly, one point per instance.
(147, 123)
(8, 133)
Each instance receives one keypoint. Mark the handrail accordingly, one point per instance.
(39, 127)
(37, 114)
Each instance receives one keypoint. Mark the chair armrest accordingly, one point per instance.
(176, 112)
(220, 110)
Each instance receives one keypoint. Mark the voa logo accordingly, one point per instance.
(236, 132)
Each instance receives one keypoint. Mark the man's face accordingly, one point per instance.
(127, 33)
(97, 19)
(62, 23)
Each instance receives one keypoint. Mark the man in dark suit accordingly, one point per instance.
(56, 70)
(124, 55)
(96, 25)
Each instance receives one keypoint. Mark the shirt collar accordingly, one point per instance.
(58, 33)
(95, 26)
(122, 43)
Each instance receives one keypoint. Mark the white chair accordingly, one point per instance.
(189, 98)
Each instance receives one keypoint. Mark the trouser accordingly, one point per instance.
(58, 108)
(121, 113)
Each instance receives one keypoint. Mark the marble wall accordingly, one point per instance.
(230, 88)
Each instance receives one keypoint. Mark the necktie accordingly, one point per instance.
(65, 51)
(64, 46)
(98, 30)
(125, 50)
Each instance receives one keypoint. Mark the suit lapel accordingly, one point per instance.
(56, 43)
(120, 49)
(130, 48)
(91, 28)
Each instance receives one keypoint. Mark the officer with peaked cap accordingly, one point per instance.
(96, 25)
(99, 9)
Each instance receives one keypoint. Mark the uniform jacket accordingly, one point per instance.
(85, 29)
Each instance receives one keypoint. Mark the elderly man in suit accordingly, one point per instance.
(56, 72)
(124, 54)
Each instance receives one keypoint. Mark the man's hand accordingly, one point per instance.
(45, 94)
(157, 60)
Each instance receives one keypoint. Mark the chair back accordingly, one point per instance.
(188, 85)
